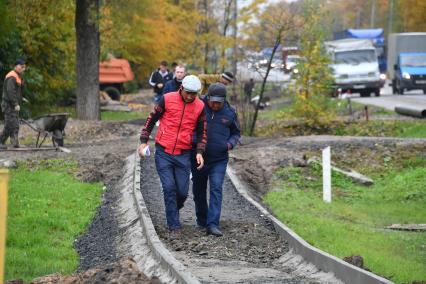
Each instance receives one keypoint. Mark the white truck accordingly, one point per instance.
(407, 61)
(355, 66)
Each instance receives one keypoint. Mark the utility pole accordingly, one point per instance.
(234, 49)
(390, 18)
(358, 18)
(373, 14)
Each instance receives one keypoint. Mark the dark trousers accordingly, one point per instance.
(174, 176)
(208, 215)
(11, 127)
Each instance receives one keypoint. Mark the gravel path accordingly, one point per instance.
(249, 252)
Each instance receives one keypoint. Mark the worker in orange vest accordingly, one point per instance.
(11, 104)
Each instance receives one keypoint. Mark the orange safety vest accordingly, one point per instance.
(13, 73)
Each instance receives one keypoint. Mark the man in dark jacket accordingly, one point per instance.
(11, 104)
(223, 133)
(174, 85)
(158, 79)
(181, 113)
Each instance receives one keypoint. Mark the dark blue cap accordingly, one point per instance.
(20, 61)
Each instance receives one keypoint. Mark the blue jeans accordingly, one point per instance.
(174, 177)
(208, 215)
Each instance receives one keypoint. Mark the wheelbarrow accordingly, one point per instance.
(53, 124)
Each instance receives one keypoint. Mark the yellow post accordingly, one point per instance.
(4, 178)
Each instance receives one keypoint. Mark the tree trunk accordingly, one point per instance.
(88, 50)
(262, 89)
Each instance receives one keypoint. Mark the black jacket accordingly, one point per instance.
(12, 93)
(156, 78)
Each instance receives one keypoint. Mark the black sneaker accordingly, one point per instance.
(214, 231)
(16, 146)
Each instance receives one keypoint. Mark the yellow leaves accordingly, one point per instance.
(314, 76)
(146, 32)
(413, 15)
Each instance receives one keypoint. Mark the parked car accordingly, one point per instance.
(290, 63)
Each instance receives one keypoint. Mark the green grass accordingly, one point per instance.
(123, 116)
(401, 128)
(48, 210)
(40, 111)
(353, 224)
(272, 123)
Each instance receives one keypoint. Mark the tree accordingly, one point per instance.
(88, 50)
(146, 32)
(278, 22)
(48, 44)
(313, 82)
(412, 15)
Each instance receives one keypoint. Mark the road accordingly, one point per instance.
(412, 99)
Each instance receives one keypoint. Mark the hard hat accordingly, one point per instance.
(191, 84)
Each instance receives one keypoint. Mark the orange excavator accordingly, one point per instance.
(112, 74)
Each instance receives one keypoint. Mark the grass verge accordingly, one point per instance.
(124, 116)
(48, 210)
(353, 224)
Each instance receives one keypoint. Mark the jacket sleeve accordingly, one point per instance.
(153, 117)
(167, 88)
(152, 80)
(235, 131)
(206, 80)
(11, 92)
(201, 131)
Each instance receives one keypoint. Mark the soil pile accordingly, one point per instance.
(123, 272)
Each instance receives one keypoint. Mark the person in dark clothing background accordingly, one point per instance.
(11, 104)
(223, 134)
(158, 79)
(225, 78)
(174, 65)
(248, 89)
(181, 113)
(174, 85)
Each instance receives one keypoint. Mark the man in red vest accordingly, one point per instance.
(180, 114)
(11, 104)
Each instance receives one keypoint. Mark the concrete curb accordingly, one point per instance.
(344, 271)
(163, 256)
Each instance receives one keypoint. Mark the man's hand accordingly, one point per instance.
(140, 149)
(17, 108)
(200, 161)
(160, 85)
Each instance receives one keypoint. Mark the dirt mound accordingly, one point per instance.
(258, 159)
(81, 131)
(125, 271)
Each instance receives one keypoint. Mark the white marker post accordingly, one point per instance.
(326, 175)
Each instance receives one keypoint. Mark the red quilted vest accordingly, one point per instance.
(178, 123)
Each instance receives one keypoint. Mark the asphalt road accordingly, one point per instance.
(412, 99)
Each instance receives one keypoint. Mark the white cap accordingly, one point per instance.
(191, 84)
